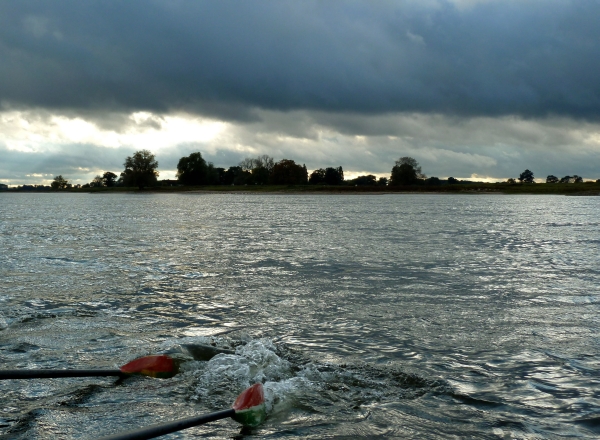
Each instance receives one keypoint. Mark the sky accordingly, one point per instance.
(473, 89)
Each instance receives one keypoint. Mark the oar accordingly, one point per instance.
(154, 366)
(248, 409)
(202, 352)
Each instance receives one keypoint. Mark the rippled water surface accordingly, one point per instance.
(365, 316)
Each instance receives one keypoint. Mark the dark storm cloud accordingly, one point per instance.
(224, 58)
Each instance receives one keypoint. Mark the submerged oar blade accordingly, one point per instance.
(250, 409)
(170, 427)
(160, 366)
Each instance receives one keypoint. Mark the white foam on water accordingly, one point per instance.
(3, 322)
(279, 396)
(222, 378)
(253, 362)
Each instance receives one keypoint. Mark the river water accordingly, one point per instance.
(365, 316)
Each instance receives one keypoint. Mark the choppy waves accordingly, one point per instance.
(392, 316)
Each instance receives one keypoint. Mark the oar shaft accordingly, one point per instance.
(47, 374)
(167, 428)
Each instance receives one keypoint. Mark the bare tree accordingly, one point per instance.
(264, 161)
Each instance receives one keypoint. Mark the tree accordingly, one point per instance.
(566, 179)
(413, 163)
(60, 182)
(317, 177)
(406, 171)
(452, 181)
(260, 167)
(236, 176)
(551, 179)
(334, 176)
(109, 179)
(192, 170)
(247, 164)
(219, 176)
(288, 172)
(571, 179)
(140, 170)
(213, 175)
(229, 175)
(264, 161)
(404, 174)
(97, 182)
(433, 181)
(511, 181)
(369, 180)
(260, 175)
(383, 181)
(526, 177)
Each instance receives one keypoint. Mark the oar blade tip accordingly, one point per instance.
(250, 409)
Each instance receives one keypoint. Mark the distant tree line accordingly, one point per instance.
(262, 170)
(527, 177)
(567, 179)
(140, 170)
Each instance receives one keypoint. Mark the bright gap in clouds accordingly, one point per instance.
(28, 131)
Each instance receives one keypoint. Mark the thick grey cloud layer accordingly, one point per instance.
(224, 58)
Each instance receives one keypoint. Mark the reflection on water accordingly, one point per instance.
(403, 316)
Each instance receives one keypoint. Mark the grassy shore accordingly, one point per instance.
(587, 188)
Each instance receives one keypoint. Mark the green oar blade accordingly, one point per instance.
(250, 409)
(160, 366)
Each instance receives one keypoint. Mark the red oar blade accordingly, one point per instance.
(161, 366)
(250, 407)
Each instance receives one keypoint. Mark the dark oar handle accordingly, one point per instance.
(47, 374)
(167, 428)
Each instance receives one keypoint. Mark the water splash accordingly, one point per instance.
(3, 322)
(288, 379)
(225, 375)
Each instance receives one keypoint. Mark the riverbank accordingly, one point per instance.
(581, 189)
